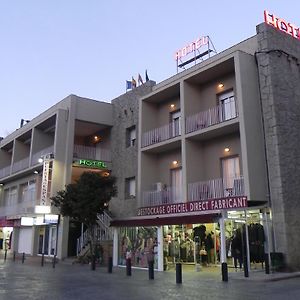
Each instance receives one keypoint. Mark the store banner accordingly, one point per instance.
(195, 206)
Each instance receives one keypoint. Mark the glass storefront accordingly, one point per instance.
(139, 244)
(196, 244)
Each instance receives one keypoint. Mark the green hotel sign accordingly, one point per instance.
(89, 163)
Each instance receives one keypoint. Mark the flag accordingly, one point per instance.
(128, 85)
(133, 83)
(147, 78)
(140, 79)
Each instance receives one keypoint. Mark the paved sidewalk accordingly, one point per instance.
(72, 282)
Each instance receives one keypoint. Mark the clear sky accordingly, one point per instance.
(50, 49)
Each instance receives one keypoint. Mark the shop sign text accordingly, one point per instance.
(195, 206)
(88, 163)
(282, 25)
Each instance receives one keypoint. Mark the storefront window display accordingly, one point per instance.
(139, 244)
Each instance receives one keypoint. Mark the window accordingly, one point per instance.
(11, 196)
(130, 136)
(28, 191)
(130, 187)
(227, 106)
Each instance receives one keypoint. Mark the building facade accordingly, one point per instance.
(207, 155)
(218, 156)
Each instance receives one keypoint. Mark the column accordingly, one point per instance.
(115, 246)
(160, 248)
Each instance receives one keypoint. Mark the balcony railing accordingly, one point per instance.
(35, 157)
(24, 207)
(81, 151)
(20, 165)
(212, 116)
(216, 188)
(168, 195)
(203, 190)
(5, 172)
(161, 134)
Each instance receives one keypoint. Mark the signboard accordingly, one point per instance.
(282, 25)
(195, 206)
(89, 163)
(193, 46)
(45, 180)
(51, 219)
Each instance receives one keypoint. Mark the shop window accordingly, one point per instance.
(130, 187)
(130, 136)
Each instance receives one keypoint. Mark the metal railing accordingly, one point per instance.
(5, 172)
(161, 134)
(87, 152)
(216, 188)
(20, 165)
(102, 232)
(212, 116)
(167, 195)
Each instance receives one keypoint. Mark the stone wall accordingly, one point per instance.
(124, 159)
(278, 59)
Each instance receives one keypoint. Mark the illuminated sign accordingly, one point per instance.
(98, 164)
(282, 25)
(193, 46)
(194, 206)
(51, 219)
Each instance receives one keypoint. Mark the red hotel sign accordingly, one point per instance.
(282, 25)
(195, 45)
(195, 206)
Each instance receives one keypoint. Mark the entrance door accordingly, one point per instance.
(47, 240)
(176, 185)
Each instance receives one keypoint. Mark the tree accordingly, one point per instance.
(84, 200)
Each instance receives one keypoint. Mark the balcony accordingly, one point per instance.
(216, 188)
(20, 165)
(5, 172)
(35, 156)
(161, 134)
(198, 191)
(168, 195)
(81, 151)
(212, 116)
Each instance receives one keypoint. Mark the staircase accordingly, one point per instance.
(102, 231)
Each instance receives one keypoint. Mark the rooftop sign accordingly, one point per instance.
(282, 25)
(193, 46)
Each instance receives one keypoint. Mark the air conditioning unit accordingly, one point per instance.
(158, 186)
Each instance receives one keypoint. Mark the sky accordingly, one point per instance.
(50, 49)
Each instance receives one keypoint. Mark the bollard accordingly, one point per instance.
(23, 257)
(246, 272)
(42, 261)
(151, 269)
(178, 273)
(54, 261)
(128, 266)
(93, 263)
(110, 264)
(14, 256)
(5, 255)
(224, 272)
(267, 264)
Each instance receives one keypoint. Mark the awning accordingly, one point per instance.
(164, 220)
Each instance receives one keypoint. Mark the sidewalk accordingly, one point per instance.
(29, 280)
